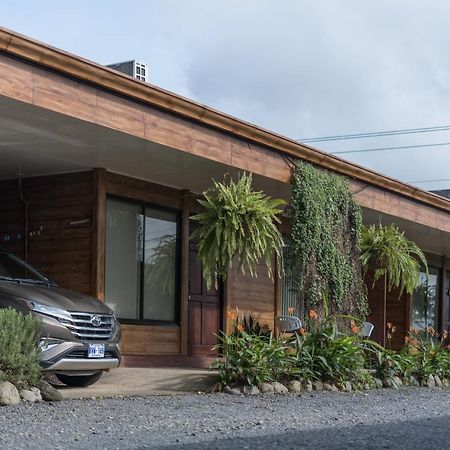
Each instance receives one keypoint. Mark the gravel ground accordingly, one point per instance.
(408, 418)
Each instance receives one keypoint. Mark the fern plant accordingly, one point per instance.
(237, 224)
(386, 251)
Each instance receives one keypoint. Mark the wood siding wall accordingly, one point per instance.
(57, 244)
(255, 296)
(397, 312)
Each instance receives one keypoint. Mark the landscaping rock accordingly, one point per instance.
(279, 388)
(9, 395)
(318, 386)
(31, 395)
(387, 382)
(334, 388)
(49, 393)
(437, 381)
(445, 383)
(397, 382)
(413, 381)
(327, 387)
(266, 388)
(348, 386)
(378, 383)
(231, 391)
(308, 386)
(251, 390)
(431, 383)
(295, 386)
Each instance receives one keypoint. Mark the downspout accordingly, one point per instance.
(25, 208)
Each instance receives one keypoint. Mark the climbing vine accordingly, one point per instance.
(324, 253)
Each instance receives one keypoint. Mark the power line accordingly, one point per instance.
(375, 134)
(428, 181)
(382, 149)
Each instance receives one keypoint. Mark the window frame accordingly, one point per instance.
(439, 300)
(143, 206)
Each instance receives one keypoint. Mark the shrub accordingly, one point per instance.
(248, 324)
(19, 354)
(251, 359)
(328, 355)
(427, 355)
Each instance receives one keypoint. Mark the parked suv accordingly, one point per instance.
(79, 334)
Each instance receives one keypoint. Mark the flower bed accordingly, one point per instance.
(329, 354)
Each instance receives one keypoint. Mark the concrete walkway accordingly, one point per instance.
(129, 381)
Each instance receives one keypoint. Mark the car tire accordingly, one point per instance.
(79, 380)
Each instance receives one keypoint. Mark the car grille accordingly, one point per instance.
(82, 327)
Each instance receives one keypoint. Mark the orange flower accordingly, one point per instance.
(444, 334)
(303, 332)
(355, 329)
(312, 314)
(413, 330)
(291, 310)
(389, 325)
(232, 315)
(240, 327)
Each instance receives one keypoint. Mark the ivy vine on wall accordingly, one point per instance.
(324, 253)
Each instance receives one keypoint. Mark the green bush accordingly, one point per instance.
(328, 355)
(251, 359)
(19, 354)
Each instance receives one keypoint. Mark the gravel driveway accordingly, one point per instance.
(408, 418)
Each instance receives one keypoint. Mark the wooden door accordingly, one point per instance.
(204, 311)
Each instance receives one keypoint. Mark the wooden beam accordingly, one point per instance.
(186, 201)
(98, 233)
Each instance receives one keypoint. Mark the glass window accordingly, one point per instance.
(290, 297)
(123, 255)
(160, 263)
(425, 301)
(141, 261)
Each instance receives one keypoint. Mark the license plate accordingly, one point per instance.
(96, 351)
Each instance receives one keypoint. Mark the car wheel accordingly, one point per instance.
(79, 380)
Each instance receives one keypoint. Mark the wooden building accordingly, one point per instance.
(99, 174)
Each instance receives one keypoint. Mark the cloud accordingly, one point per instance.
(301, 68)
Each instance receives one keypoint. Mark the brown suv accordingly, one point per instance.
(79, 334)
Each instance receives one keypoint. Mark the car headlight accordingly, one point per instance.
(58, 313)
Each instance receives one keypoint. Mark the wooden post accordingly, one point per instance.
(98, 233)
(184, 291)
(277, 300)
(383, 335)
(443, 296)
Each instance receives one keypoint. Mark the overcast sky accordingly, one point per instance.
(301, 68)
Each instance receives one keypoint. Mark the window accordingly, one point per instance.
(290, 297)
(141, 261)
(425, 301)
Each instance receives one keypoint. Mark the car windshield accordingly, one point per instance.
(13, 268)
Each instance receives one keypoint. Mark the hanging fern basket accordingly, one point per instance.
(238, 225)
